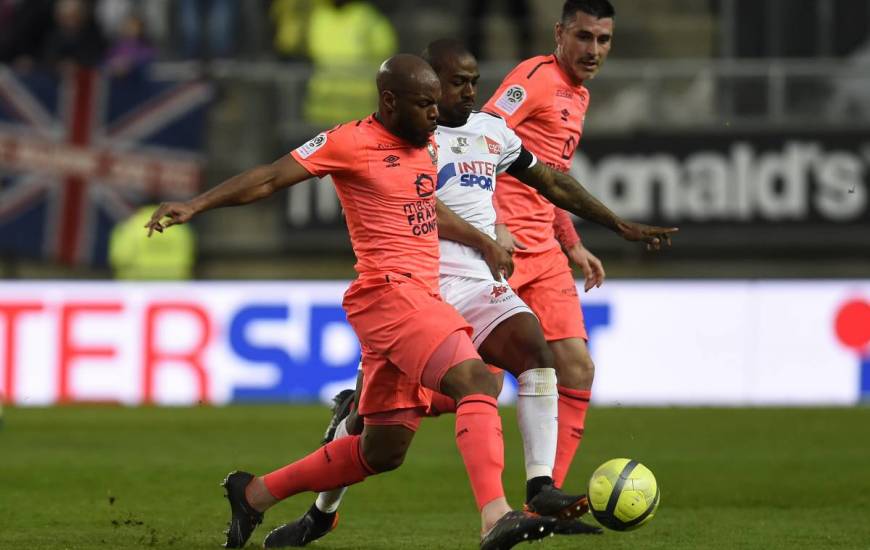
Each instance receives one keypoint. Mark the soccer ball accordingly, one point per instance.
(623, 494)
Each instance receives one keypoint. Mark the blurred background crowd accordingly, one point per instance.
(746, 122)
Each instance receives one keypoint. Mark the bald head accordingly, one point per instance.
(408, 93)
(444, 52)
(405, 73)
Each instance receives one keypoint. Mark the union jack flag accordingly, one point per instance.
(80, 152)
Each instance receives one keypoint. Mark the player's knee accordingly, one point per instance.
(499, 378)
(469, 379)
(483, 381)
(587, 367)
(575, 369)
(384, 459)
(577, 373)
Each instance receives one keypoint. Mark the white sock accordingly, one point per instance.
(537, 414)
(329, 501)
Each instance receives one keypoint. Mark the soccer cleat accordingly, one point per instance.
(551, 501)
(244, 519)
(306, 529)
(515, 527)
(576, 527)
(340, 409)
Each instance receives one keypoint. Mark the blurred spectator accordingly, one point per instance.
(217, 19)
(347, 41)
(291, 19)
(476, 16)
(112, 16)
(133, 256)
(132, 51)
(24, 27)
(76, 38)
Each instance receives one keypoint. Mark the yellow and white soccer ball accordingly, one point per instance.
(623, 494)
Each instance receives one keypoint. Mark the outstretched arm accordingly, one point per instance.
(249, 186)
(566, 192)
(454, 228)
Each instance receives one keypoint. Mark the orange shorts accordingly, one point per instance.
(400, 322)
(543, 280)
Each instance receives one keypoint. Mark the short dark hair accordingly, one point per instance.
(599, 9)
(436, 52)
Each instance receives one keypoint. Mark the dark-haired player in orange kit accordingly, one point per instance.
(544, 101)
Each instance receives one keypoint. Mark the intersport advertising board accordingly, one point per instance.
(654, 343)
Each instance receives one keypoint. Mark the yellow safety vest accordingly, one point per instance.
(166, 256)
(291, 19)
(347, 45)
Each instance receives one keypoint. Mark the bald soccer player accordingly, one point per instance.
(413, 343)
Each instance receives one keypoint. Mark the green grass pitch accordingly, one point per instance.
(105, 477)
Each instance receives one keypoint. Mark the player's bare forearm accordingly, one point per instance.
(454, 228)
(566, 192)
(249, 186)
(252, 185)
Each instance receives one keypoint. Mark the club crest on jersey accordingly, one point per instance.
(492, 146)
(425, 185)
(433, 153)
(459, 145)
(511, 99)
(316, 143)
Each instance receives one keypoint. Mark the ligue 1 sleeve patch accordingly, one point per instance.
(316, 143)
(511, 99)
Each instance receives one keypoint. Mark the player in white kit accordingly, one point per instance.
(473, 147)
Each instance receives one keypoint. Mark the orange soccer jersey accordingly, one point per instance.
(538, 100)
(387, 189)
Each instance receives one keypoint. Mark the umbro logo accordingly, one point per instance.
(391, 161)
(565, 114)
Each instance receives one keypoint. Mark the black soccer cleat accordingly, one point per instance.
(576, 527)
(340, 409)
(310, 527)
(551, 501)
(244, 519)
(515, 527)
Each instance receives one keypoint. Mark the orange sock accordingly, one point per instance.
(441, 404)
(339, 463)
(572, 417)
(480, 442)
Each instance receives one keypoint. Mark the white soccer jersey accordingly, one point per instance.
(469, 158)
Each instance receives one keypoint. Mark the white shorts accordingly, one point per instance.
(483, 303)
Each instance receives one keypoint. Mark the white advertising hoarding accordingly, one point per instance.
(654, 343)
